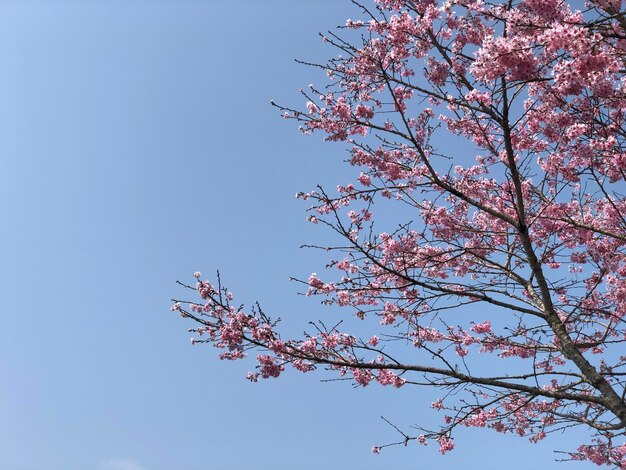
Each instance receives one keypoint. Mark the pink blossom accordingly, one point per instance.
(365, 180)
(445, 444)
(496, 134)
(482, 328)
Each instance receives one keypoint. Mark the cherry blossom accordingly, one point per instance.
(497, 132)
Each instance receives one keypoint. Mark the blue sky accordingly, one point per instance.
(137, 145)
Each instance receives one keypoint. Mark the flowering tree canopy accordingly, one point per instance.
(498, 129)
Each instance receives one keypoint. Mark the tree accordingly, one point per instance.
(498, 130)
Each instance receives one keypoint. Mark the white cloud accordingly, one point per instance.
(120, 464)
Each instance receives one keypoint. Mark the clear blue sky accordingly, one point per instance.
(137, 145)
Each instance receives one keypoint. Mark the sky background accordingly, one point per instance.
(137, 145)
